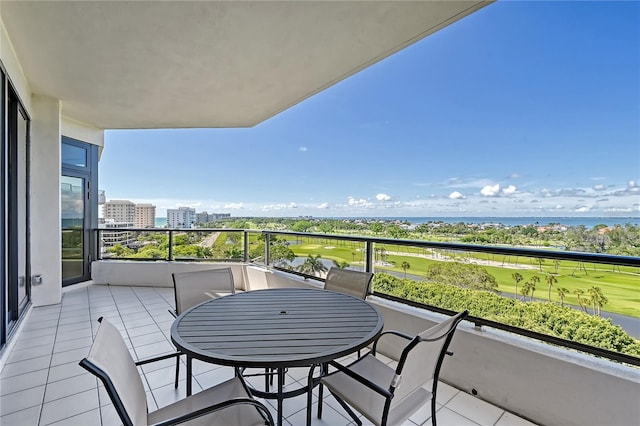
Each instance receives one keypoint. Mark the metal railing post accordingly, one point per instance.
(369, 256)
(170, 246)
(246, 245)
(267, 249)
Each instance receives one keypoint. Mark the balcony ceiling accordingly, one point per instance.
(183, 64)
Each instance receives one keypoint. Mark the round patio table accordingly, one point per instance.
(276, 329)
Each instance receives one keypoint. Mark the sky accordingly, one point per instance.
(520, 109)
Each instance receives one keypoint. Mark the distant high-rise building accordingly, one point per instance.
(145, 216)
(115, 233)
(202, 217)
(182, 217)
(120, 211)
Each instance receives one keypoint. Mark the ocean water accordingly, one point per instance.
(588, 222)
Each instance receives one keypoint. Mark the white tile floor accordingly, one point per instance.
(41, 382)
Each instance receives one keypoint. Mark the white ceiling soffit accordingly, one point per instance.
(180, 64)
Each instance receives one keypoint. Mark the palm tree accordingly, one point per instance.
(597, 299)
(579, 293)
(312, 265)
(562, 292)
(534, 280)
(517, 277)
(551, 280)
(526, 289)
(405, 265)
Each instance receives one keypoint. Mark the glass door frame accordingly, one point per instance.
(88, 172)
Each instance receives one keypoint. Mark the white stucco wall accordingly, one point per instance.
(45, 200)
(13, 68)
(82, 132)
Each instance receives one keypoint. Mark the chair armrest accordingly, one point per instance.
(157, 358)
(393, 333)
(368, 383)
(204, 411)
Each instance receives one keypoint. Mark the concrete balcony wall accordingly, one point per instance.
(546, 384)
(158, 274)
(155, 274)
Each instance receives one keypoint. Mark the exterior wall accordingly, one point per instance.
(45, 200)
(155, 274)
(13, 68)
(81, 132)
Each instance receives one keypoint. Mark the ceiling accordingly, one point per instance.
(182, 64)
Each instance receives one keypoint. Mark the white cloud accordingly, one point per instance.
(359, 203)
(323, 206)
(618, 210)
(279, 206)
(599, 187)
(234, 206)
(383, 197)
(455, 195)
(509, 190)
(490, 190)
(303, 149)
(582, 209)
(514, 176)
(633, 186)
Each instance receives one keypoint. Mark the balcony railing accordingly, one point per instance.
(311, 254)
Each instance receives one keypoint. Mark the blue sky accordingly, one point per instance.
(521, 109)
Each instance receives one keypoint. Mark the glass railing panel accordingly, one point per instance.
(133, 244)
(314, 256)
(202, 245)
(590, 303)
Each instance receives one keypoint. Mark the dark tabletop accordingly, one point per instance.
(286, 327)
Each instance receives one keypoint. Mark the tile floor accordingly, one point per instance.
(42, 384)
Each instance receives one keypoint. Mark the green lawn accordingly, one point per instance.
(621, 287)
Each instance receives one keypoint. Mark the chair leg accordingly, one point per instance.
(433, 410)
(348, 409)
(177, 370)
(324, 368)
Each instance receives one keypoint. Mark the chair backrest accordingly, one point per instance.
(422, 358)
(347, 281)
(110, 360)
(192, 288)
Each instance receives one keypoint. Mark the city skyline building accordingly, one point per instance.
(120, 211)
(182, 217)
(145, 216)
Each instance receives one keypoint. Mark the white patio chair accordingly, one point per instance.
(382, 394)
(228, 403)
(193, 288)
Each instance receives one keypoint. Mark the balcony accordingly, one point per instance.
(495, 377)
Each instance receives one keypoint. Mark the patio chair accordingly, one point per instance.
(228, 403)
(193, 288)
(347, 281)
(382, 394)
